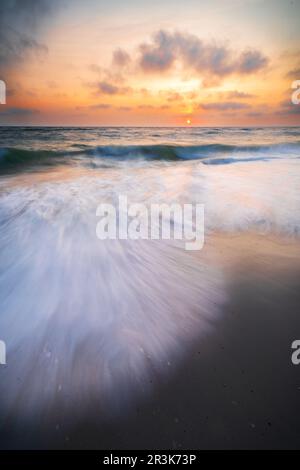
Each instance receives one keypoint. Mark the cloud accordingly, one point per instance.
(14, 46)
(172, 95)
(235, 94)
(108, 82)
(17, 112)
(225, 106)
(124, 108)
(287, 108)
(294, 74)
(100, 106)
(151, 107)
(20, 23)
(192, 53)
(96, 68)
(120, 58)
(107, 88)
(159, 55)
(255, 114)
(251, 61)
(146, 106)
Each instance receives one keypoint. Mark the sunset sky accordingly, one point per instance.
(158, 63)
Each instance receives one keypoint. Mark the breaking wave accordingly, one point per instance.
(17, 159)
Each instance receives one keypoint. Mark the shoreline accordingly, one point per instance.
(236, 387)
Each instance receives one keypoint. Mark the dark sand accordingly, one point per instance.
(236, 389)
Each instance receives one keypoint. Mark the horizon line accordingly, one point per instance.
(147, 127)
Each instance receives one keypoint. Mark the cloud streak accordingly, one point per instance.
(225, 106)
(121, 58)
(20, 21)
(18, 112)
(166, 49)
(109, 88)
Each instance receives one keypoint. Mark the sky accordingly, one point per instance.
(142, 63)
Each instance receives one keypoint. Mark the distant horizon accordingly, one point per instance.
(149, 127)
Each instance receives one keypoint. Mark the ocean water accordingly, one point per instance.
(246, 177)
(90, 321)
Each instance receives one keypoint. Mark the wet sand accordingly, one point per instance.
(236, 387)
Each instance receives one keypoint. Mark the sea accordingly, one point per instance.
(98, 321)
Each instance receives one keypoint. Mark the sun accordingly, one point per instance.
(189, 122)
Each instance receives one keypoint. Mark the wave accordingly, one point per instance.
(187, 152)
(225, 161)
(13, 159)
(105, 318)
(16, 159)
